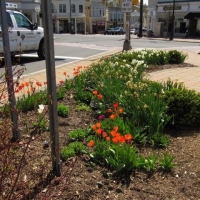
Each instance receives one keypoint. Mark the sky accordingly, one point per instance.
(145, 1)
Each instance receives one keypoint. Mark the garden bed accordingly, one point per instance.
(84, 179)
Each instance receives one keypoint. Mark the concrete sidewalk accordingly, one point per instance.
(190, 76)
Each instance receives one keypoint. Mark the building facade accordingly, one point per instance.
(114, 17)
(95, 12)
(186, 14)
(66, 20)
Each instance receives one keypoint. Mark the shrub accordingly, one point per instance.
(62, 110)
(184, 106)
(176, 57)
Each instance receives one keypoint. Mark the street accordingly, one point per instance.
(69, 48)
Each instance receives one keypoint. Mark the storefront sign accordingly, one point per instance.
(177, 7)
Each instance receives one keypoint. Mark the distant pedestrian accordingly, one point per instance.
(187, 31)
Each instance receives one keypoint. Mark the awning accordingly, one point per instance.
(192, 15)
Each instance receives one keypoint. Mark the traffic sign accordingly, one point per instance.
(126, 6)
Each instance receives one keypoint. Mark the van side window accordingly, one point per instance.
(9, 20)
(22, 21)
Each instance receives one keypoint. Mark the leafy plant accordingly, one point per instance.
(61, 91)
(151, 162)
(31, 101)
(82, 107)
(78, 147)
(159, 140)
(83, 96)
(67, 152)
(41, 123)
(78, 134)
(166, 162)
(62, 110)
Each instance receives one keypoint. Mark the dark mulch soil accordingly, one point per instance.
(83, 180)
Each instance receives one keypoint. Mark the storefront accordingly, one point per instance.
(63, 25)
(98, 26)
(186, 14)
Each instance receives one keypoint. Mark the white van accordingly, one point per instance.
(24, 36)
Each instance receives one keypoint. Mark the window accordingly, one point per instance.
(80, 8)
(62, 8)
(73, 8)
(22, 21)
(9, 21)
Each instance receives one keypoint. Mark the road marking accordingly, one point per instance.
(59, 57)
(87, 46)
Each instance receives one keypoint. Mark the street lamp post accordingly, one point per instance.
(172, 26)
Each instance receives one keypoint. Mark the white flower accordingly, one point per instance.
(41, 108)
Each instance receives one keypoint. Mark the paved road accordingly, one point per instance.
(69, 48)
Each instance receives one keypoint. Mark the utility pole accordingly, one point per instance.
(141, 18)
(172, 26)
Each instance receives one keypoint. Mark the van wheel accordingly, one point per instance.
(41, 51)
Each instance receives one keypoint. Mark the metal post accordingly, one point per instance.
(70, 17)
(116, 14)
(8, 71)
(51, 86)
(172, 27)
(141, 18)
(127, 42)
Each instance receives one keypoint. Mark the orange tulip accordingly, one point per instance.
(98, 131)
(94, 127)
(98, 125)
(128, 137)
(120, 110)
(100, 96)
(91, 143)
(104, 134)
(95, 92)
(112, 116)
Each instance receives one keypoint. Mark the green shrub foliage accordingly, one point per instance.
(184, 106)
(176, 57)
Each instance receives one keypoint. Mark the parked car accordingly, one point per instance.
(134, 31)
(146, 32)
(119, 31)
(109, 31)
